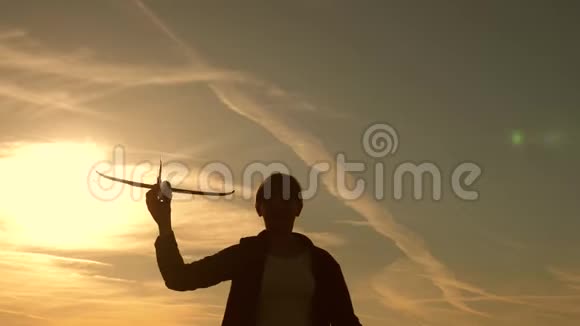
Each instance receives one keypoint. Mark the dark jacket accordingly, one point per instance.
(243, 264)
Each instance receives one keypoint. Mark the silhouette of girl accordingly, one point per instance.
(279, 277)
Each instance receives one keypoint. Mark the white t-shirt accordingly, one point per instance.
(287, 289)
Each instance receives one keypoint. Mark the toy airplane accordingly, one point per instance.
(165, 188)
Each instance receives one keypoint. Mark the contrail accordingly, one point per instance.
(196, 58)
(23, 314)
(77, 67)
(39, 255)
(24, 95)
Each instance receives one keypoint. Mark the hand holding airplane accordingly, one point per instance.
(165, 188)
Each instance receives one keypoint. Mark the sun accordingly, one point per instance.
(46, 200)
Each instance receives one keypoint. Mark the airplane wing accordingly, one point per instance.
(198, 192)
(183, 191)
(132, 183)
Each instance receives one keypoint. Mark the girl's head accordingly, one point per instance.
(279, 202)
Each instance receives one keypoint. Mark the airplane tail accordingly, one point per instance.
(159, 175)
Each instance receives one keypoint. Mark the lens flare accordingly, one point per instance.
(517, 137)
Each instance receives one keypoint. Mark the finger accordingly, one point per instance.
(150, 195)
(151, 198)
(154, 189)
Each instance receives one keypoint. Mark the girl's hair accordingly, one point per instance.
(280, 185)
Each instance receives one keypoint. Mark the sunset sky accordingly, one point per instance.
(118, 85)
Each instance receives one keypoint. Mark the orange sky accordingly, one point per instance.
(117, 85)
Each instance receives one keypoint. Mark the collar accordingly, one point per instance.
(265, 235)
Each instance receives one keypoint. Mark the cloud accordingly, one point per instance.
(45, 80)
(43, 99)
(569, 278)
(325, 239)
(21, 314)
(40, 287)
(400, 285)
(84, 67)
(353, 223)
(402, 288)
(12, 34)
(11, 257)
(69, 81)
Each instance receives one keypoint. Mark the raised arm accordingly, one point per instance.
(177, 274)
(203, 273)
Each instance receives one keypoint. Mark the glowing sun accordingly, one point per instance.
(46, 200)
